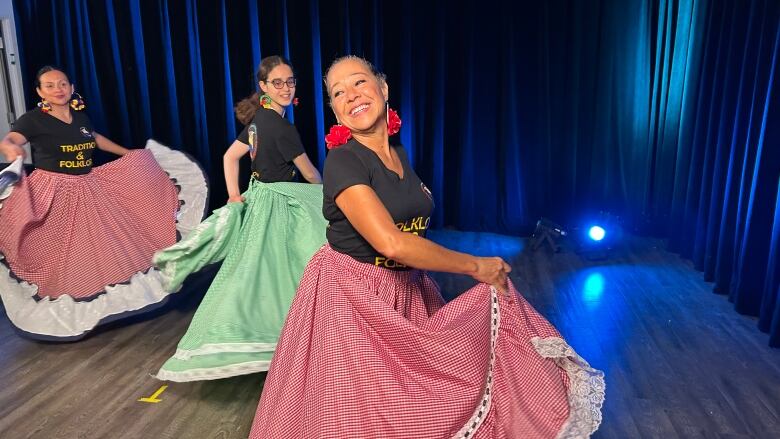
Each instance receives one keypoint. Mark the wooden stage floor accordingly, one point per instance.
(679, 361)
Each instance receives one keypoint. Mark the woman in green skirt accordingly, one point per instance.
(265, 237)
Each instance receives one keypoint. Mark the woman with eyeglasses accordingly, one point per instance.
(265, 237)
(77, 240)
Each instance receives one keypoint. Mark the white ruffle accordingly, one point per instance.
(224, 348)
(190, 178)
(64, 317)
(67, 319)
(586, 387)
(218, 372)
(10, 175)
(214, 373)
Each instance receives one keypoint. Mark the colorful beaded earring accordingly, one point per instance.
(265, 101)
(44, 106)
(77, 102)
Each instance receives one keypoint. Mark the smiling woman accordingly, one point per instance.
(369, 348)
(77, 242)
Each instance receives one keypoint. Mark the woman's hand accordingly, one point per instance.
(493, 271)
(11, 151)
(235, 199)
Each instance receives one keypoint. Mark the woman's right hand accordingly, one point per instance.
(235, 199)
(11, 151)
(493, 271)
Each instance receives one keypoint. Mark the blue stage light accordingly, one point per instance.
(596, 233)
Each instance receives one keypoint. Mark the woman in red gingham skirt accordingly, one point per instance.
(369, 348)
(78, 242)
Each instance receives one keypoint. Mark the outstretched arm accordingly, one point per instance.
(105, 144)
(11, 146)
(309, 172)
(230, 162)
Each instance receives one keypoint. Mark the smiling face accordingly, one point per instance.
(280, 74)
(357, 96)
(54, 87)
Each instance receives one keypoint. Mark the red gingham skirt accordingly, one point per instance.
(371, 353)
(76, 234)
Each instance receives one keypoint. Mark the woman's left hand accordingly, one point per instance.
(493, 271)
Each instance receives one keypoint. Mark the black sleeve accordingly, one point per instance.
(343, 169)
(244, 136)
(26, 126)
(289, 143)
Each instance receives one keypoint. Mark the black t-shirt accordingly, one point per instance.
(57, 146)
(277, 143)
(408, 200)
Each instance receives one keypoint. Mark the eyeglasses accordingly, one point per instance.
(278, 83)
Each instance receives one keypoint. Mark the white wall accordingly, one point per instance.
(6, 8)
(15, 79)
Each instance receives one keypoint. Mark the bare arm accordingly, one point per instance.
(309, 172)
(105, 144)
(370, 218)
(11, 145)
(230, 161)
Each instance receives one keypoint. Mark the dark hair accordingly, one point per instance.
(246, 108)
(47, 69)
(380, 77)
(269, 63)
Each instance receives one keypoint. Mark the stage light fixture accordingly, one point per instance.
(598, 237)
(549, 232)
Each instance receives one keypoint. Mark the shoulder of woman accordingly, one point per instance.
(32, 114)
(268, 117)
(33, 119)
(345, 154)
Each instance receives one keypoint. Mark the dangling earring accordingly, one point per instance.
(265, 101)
(44, 106)
(387, 112)
(337, 136)
(76, 102)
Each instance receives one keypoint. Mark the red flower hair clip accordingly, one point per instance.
(295, 102)
(340, 134)
(393, 122)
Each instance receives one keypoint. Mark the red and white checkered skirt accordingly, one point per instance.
(76, 234)
(367, 353)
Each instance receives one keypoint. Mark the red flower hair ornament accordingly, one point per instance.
(339, 134)
(393, 122)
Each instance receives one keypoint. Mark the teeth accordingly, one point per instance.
(358, 109)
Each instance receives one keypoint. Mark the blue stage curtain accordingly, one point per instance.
(662, 111)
